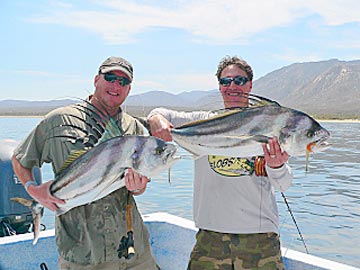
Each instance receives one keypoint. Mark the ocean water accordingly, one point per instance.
(325, 201)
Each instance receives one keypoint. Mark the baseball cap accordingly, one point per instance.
(117, 63)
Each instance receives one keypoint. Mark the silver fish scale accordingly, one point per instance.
(100, 171)
(242, 132)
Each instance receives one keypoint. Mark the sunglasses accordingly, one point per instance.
(123, 81)
(238, 80)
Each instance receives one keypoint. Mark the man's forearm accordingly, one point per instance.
(178, 118)
(24, 174)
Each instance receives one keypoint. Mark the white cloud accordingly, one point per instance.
(35, 73)
(212, 21)
(336, 12)
(291, 56)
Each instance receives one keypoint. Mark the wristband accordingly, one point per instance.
(29, 183)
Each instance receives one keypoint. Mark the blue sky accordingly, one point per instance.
(52, 49)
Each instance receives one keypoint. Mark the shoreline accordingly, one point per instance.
(339, 120)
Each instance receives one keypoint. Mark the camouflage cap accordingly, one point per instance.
(117, 63)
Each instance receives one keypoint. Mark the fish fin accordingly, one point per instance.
(143, 121)
(37, 211)
(93, 115)
(257, 101)
(111, 130)
(254, 101)
(71, 158)
(36, 226)
(96, 129)
(104, 119)
(101, 127)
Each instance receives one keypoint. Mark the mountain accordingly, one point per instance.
(323, 88)
(165, 99)
(11, 103)
(142, 104)
(25, 107)
(326, 89)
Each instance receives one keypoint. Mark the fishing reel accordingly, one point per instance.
(126, 247)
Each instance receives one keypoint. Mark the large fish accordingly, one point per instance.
(241, 132)
(100, 171)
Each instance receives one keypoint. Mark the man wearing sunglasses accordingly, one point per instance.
(88, 236)
(234, 203)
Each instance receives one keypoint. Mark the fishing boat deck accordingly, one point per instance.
(171, 239)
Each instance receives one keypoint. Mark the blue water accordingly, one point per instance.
(325, 201)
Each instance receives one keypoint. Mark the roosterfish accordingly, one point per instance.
(242, 131)
(93, 173)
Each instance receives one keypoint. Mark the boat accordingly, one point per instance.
(171, 238)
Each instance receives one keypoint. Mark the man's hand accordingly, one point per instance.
(135, 182)
(274, 156)
(43, 196)
(160, 127)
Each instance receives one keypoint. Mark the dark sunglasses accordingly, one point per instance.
(123, 81)
(238, 80)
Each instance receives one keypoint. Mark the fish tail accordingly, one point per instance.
(37, 211)
(23, 201)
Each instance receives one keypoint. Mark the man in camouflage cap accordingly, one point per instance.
(117, 63)
(88, 236)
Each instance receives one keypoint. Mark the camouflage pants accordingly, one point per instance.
(226, 251)
(146, 261)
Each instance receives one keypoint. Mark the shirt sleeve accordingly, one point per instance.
(30, 151)
(281, 178)
(179, 118)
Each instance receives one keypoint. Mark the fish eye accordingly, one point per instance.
(310, 134)
(159, 150)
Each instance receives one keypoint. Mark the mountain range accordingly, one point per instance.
(326, 89)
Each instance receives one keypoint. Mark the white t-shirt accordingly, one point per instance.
(226, 201)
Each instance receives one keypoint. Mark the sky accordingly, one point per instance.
(52, 49)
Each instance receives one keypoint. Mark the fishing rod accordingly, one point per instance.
(293, 218)
(126, 247)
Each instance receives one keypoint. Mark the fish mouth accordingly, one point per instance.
(322, 140)
(169, 154)
(323, 136)
(318, 145)
(174, 156)
(323, 145)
